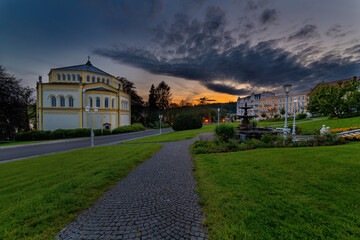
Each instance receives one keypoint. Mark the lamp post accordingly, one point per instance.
(160, 117)
(295, 101)
(287, 89)
(87, 109)
(218, 116)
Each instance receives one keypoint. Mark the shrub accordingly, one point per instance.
(98, 132)
(125, 129)
(276, 116)
(58, 134)
(225, 132)
(301, 116)
(79, 132)
(32, 135)
(156, 125)
(187, 121)
(298, 130)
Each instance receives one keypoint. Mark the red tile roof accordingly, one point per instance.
(333, 83)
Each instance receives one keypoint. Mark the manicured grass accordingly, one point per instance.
(27, 142)
(40, 196)
(174, 136)
(294, 193)
(308, 127)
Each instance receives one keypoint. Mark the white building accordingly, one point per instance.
(61, 103)
(252, 101)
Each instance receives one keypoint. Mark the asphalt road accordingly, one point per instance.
(26, 151)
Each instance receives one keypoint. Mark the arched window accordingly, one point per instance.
(103, 80)
(90, 101)
(79, 77)
(58, 77)
(68, 77)
(63, 77)
(71, 101)
(73, 77)
(119, 86)
(53, 101)
(106, 102)
(97, 102)
(107, 81)
(62, 101)
(113, 103)
(88, 78)
(98, 79)
(93, 79)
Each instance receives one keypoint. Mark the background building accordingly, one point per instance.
(61, 102)
(273, 104)
(252, 101)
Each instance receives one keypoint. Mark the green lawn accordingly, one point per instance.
(332, 123)
(28, 142)
(40, 196)
(293, 193)
(174, 136)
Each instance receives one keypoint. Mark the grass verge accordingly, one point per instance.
(308, 127)
(40, 196)
(301, 193)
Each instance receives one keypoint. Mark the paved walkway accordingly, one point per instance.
(155, 201)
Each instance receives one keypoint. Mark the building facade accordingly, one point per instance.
(253, 101)
(273, 104)
(62, 102)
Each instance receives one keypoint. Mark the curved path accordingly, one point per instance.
(157, 200)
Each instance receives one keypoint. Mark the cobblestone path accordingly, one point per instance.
(155, 201)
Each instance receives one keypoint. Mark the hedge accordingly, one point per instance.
(73, 133)
(126, 129)
(187, 121)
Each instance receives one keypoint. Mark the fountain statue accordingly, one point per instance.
(247, 130)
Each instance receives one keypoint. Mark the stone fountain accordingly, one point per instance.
(247, 130)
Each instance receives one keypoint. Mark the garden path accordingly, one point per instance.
(157, 200)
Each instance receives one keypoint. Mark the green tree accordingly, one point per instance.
(340, 100)
(282, 111)
(137, 102)
(163, 96)
(263, 115)
(15, 101)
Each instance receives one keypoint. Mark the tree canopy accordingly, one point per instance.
(14, 100)
(137, 102)
(339, 100)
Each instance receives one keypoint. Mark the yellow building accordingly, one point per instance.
(273, 104)
(62, 102)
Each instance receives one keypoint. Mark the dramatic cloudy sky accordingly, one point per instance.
(218, 49)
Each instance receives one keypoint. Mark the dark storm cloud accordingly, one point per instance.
(336, 31)
(205, 51)
(268, 16)
(226, 89)
(355, 50)
(306, 32)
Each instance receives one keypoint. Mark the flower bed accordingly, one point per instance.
(351, 138)
(337, 130)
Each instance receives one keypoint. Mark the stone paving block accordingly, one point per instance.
(157, 200)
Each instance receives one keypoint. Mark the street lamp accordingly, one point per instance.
(87, 109)
(218, 115)
(287, 89)
(160, 117)
(295, 101)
